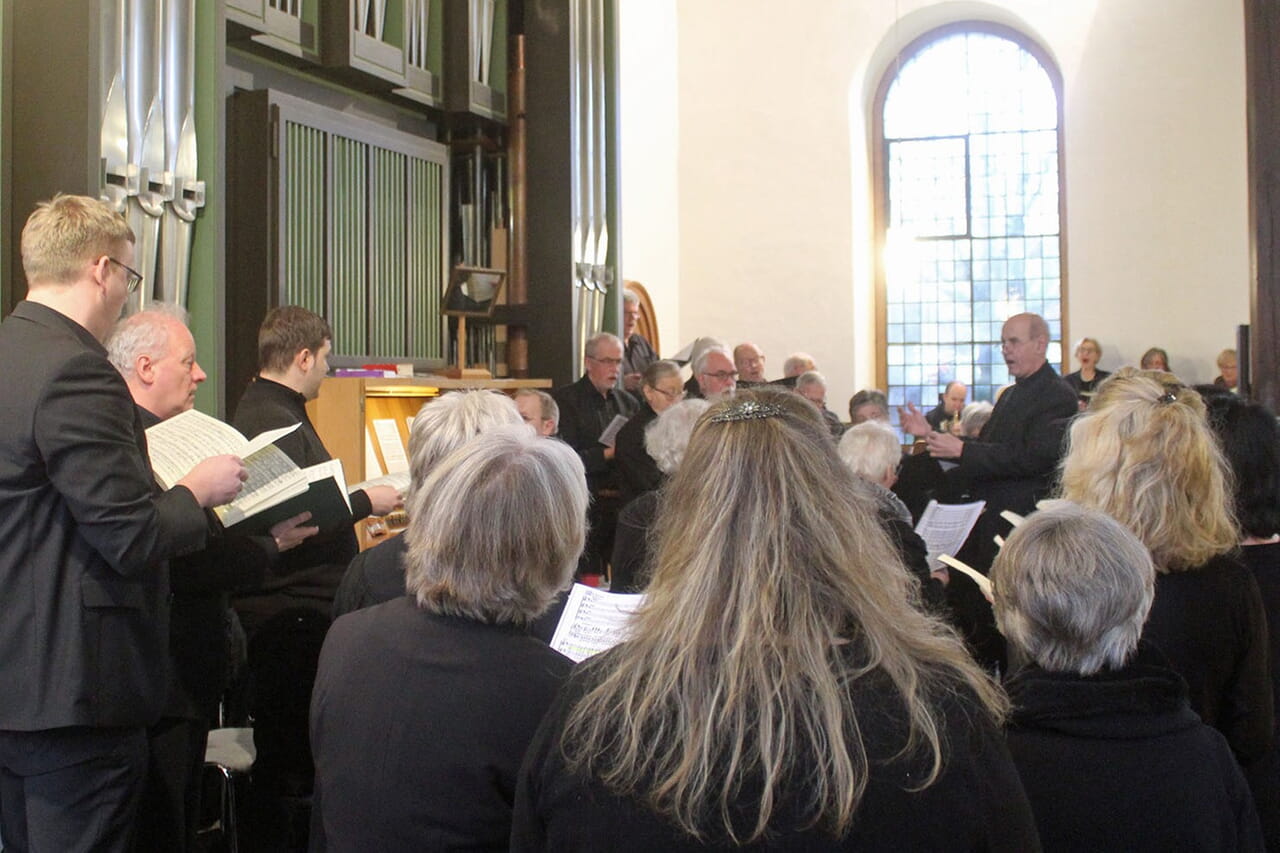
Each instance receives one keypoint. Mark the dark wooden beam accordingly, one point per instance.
(1262, 61)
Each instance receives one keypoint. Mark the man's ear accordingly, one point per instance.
(145, 369)
(304, 359)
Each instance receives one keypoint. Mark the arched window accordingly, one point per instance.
(969, 207)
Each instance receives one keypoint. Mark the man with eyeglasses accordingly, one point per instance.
(84, 533)
(587, 408)
(716, 375)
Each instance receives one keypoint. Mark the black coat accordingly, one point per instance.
(418, 725)
(977, 803)
(1210, 624)
(1119, 761)
(638, 472)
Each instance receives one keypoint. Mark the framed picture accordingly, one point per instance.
(473, 291)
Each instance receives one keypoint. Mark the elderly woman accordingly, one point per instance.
(662, 389)
(1144, 454)
(441, 426)
(424, 705)
(1110, 753)
(1155, 359)
(1251, 440)
(776, 689)
(1086, 380)
(665, 441)
(871, 452)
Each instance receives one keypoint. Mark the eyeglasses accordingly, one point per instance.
(723, 375)
(135, 277)
(670, 395)
(611, 362)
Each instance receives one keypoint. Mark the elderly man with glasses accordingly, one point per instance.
(715, 373)
(587, 408)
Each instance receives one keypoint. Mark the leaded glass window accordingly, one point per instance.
(970, 224)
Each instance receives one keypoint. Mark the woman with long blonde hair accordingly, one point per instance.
(1145, 455)
(781, 685)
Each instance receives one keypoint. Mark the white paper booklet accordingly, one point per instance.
(593, 621)
(944, 527)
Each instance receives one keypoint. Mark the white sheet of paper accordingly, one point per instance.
(271, 436)
(1012, 517)
(979, 578)
(944, 527)
(593, 621)
(399, 482)
(610, 434)
(372, 467)
(387, 431)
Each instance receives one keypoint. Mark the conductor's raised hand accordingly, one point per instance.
(913, 422)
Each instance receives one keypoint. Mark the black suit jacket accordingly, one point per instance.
(83, 537)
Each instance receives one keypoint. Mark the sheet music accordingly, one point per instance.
(593, 621)
(944, 527)
(178, 444)
(387, 431)
(610, 434)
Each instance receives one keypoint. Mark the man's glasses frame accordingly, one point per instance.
(135, 277)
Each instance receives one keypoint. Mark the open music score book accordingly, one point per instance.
(944, 527)
(593, 621)
(177, 445)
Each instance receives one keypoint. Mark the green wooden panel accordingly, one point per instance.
(387, 294)
(424, 256)
(349, 244)
(304, 207)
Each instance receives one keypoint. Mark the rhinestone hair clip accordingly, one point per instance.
(1168, 397)
(747, 410)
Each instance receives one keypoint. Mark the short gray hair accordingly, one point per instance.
(974, 417)
(1072, 588)
(810, 377)
(593, 343)
(666, 439)
(797, 363)
(550, 409)
(143, 333)
(870, 449)
(445, 424)
(630, 297)
(700, 362)
(496, 530)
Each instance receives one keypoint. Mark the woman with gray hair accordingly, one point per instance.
(872, 453)
(665, 441)
(423, 706)
(1110, 753)
(441, 426)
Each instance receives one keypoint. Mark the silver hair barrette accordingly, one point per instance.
(747, 410)
(1168, 397)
